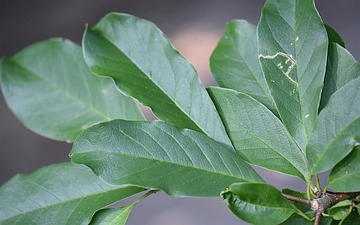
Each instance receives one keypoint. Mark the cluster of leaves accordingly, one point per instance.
(288, 101)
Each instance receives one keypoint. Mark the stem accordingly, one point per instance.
(296, 199)
(144, 196)
(318, 182)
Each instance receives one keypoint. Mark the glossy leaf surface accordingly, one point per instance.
(258, 203)
(58, 194)
(257, 134)
(158, 155)
(144, 64)
(337, 129)
(345, 175)
(50, 89)
(235, 63)
(292, 51)
(341, 68)
(112, 216)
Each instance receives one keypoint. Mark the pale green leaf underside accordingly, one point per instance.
(235, 63)
(58, 194)
(158, 155)
(50, 89)
(337, 129)
(258, 203)
(144, 64)
(292, 50)
(341, 68)
(345, 175)
(112, 216)
(257, 134)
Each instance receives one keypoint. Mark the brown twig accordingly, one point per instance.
(323, 202)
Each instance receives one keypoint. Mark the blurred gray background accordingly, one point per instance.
(194, 26)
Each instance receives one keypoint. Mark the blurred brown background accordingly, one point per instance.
(194, 26)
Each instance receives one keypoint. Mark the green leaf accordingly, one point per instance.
(235, 63)
(334, 36)
(144, 64)
(296, 219)
(337, 129)
(292, 51)
(112, 216)
(157, 155)
(341, 69)
(345, 176)
(341, 210)
(354, 218)
(58, 194)
(256, 203)
(257, 134)
(50, 89)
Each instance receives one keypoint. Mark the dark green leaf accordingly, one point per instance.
(353, 219)
(292, 51)
(235, 63)
(112, 216)
(337, 129)
(59, 194)
(341, 68)
(257, 134)
(296, 219)
(158, 155)
(334, 36)
(346, 174)
(50, 89)
(144, 64)
(258, 203)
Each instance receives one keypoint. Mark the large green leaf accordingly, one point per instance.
(292, 51)
(58, 194)
(144, 64)
(235, 63)
(341, 68)
(257, 134)
(158, 155)
(51, 90)
(337, 129)
(346, 174)
(258, 203)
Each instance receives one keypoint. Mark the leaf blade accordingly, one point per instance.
(341, 68)
(345, 175)
(292, 51)
(52, 194)
(111, 216)
(143, 63)
(252, 202)
(128, 152)
(50, 89)
(257, 134)
(337, 128)
(235, 63)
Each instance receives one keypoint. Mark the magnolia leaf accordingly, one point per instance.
(235, 63)
(256, 203)
(337, 129)
(112, 216)
(257, 134)
(58, 194)
(296, 219)
(144, 64)
(341, 69)
(50, 89)
(158, 155)
(345, 176)
(334, 36)
(292, 51)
